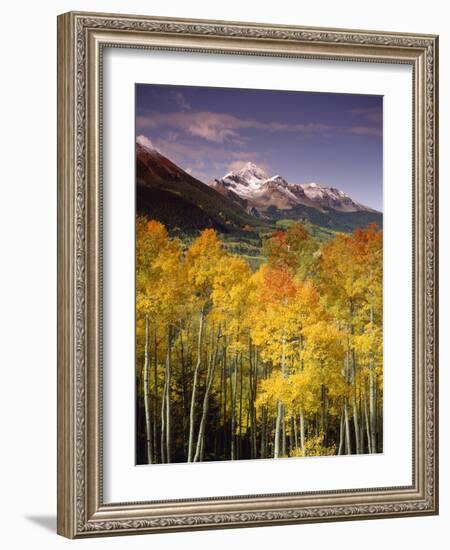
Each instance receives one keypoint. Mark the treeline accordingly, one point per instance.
(234, 364)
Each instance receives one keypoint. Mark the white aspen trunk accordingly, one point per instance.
(233, 410)
(354, 403)
(168, 375)
(294, 428)
(263, 433)
(202, 449)
(373, 441)
(348, 447)
(302, 430)
(366, 418)
(225, 398)
(253, 367)
(184, 394)
(341, 434)
(301, 416)
(194, 388)
(163, 424)
(264, 424)
(361, 423)
(322, 411)
(356, 426)
(250, 398)
(254, 421)
(209, 379)
(276, 447)
(276, 444)
(379, 423)
(241, 368)
(155, 395)
(148, 423)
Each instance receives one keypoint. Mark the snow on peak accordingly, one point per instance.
(253, 169)
(249, 173)
(331, 197)
(316, 190)
(253, 184)
(143, 141)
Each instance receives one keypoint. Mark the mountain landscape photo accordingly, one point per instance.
(258, 274)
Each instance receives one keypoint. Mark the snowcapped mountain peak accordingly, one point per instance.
(332, 198)
(315, 190)
(250, 166)
(250, 173)
(251, 169)
(246, 181)
(144, 142)
(262, 192)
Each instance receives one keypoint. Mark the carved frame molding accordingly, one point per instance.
(81, 39)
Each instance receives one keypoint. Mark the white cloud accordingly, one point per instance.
(366, 131)
(223, 127)
(236, 165)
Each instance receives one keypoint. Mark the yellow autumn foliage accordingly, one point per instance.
(283, 361)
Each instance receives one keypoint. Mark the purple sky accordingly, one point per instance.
(331, 139)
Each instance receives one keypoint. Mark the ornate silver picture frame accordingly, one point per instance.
(82, 40)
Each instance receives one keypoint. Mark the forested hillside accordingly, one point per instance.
(282, 361)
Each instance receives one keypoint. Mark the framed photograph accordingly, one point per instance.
(247, 282)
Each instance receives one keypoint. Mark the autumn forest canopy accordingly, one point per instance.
(282, 361)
